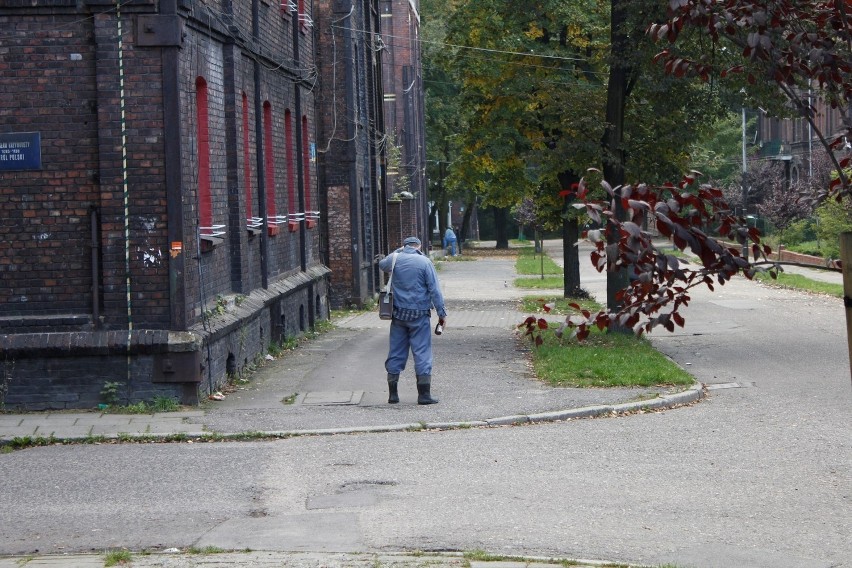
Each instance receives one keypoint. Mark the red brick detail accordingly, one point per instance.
(291, 161)
(202, 124)
(306, 163)
(246, 156)
(269, 161)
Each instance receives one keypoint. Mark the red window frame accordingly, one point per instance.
(269, 169)
(247, 159)
(293, 225)
(306, 169)
(202, 125)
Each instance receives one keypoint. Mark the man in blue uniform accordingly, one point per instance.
(415, 291)
(450, 241)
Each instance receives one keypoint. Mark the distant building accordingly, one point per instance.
(792, 142)
(371, 146)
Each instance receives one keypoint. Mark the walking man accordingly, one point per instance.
(415, 291)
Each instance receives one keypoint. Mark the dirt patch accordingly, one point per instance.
(490, 253)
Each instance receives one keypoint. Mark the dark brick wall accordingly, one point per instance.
(402, 221)
(71, 59)
(45, 218)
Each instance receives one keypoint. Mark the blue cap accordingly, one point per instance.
(411, 241)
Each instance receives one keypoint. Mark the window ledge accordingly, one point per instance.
(209, 242)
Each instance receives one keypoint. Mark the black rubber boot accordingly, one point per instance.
(424, 383)
(393, 395)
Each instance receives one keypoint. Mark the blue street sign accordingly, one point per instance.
(20, 151)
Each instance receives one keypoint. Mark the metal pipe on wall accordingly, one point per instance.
(96, 315)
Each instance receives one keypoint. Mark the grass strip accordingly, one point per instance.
(799, 282)
(539, 283)
(605, 360)
(531, 262)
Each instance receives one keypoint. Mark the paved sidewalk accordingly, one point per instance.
(336, 383)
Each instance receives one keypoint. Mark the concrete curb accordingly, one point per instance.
(693, 394)
(413, 559)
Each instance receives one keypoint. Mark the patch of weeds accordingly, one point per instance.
(205, 550)
(323, 326)
(164, 404)
(478, 555)
(25, 560)
(22, 442)
(138, 408)
(110, 392)
(219, 308)
(290, 399)
(118, 558)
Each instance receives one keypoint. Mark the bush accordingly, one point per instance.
(834, 218)
(800, 232)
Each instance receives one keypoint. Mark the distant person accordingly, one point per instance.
(415, 291)
(450, 241)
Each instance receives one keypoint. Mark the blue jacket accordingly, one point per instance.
(415, 282)
(449, 237)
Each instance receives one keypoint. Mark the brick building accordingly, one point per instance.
(370, 133)
(791, 141)
(404, 108)
(159, 193)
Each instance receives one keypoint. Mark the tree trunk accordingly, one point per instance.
(571, 258)
(570, 236)
(613, 150)
(501, 221)
(469, 204)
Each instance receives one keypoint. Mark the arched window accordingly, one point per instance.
(269, 169)
(202, 131)
(310, 216)
(251, 221)
(291, 169)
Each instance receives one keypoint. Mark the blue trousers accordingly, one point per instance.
(414, 335)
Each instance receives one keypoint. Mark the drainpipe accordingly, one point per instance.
(300, 173)
(96, 316)
(258, 134)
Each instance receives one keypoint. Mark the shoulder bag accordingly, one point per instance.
(386, 296)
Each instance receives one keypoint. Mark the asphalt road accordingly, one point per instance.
(759, 474)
